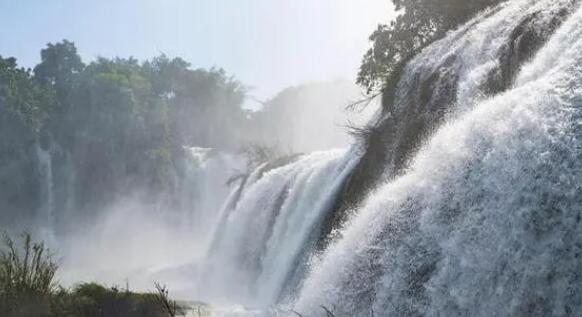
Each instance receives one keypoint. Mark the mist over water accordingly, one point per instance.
(483, 211)
(266, 235)
(313, 117)
(135, 241)
(138, 242)
(480, 214)
(475, 210)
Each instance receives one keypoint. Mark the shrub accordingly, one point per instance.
(27, 289)
(26, 277)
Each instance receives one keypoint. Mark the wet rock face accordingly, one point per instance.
(525, 41)
(416, 107)
(485, 219)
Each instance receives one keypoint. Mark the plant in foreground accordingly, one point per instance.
(27, 275)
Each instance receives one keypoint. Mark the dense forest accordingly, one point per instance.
(122, 124)
(77, 138)
(117, 123)
(116, 127)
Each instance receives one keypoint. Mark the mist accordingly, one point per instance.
(129, 180)
(135, 241)
(313, 117)
(304, 158)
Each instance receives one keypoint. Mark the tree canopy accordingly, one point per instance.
(118, 123)
(418, 23)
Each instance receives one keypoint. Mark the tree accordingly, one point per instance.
(22, 99)
(205, 106)
(419, 23)
(24, 108)
(26, 277)
(121, 137)
(59, 67)
(110, 127)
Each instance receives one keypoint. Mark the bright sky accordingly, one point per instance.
(268, 44)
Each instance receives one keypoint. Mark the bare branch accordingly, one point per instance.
(359, 132)
(163, 298)
(296, 313)
(361, 104)
(327, 311)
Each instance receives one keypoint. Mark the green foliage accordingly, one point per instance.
(205, 106)
(169, 306)
(59, 67)
(118, 123)
(419, 23)
(25, 105)
(22, 100)
(26, 276)
(28, 289)
(95, 300)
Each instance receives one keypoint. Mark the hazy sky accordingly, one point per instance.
(268, 44)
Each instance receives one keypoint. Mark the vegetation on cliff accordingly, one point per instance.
(418, 23)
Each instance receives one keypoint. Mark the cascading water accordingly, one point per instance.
(205, 187)
(486, 219)
(480, 218)
(450, 77)
(472, 63)
(169, 226)
(45, 165)
(261, 241)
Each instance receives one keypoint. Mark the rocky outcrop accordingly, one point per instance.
(428, 93)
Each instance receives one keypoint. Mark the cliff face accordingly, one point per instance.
(437, 85)
(475, 165)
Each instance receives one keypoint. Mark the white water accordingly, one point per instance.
(205, 188)
(158, 241)
(47, 193)
(469, 54)
(454, 74)
(486, 222)
(260, 243)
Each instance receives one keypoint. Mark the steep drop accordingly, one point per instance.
(258, 250)
(486, 218)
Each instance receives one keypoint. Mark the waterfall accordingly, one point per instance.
(485, 220)
(478, 213)
(45, 167)
(207, 173)
(261, 240)
(452, 76)
(161, 241)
